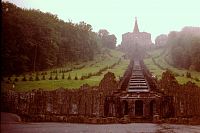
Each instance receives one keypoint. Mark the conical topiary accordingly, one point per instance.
(50, 78)
(43, 77)
(16, 79)
(30, 78)
(37, 77)
(56, 77)
(63, 75)
(24, 78)
(69, 77)
(76, 78)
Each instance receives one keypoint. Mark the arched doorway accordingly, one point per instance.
(125, 107)
(139, 108)
(152, 107)
(106, 107)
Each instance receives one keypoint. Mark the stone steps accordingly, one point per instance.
(137, 81)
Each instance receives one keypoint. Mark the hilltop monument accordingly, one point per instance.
(135, 43)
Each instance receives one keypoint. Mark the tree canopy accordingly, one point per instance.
(33, 40)
(108, 40)
(184, 48)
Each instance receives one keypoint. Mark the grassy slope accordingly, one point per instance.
(101, 61)
(161, 61)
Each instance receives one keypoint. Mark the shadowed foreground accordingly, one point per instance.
(10, 123)
(89, 128)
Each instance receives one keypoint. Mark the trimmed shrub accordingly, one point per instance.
(63, 75)
(188, 75)
(17, 75)
(30, 78)
(43, 77)
(37, 77)
(16, 79)
(50, 78)
(9, 78)
(24, 78)
(69, 77)
(196, 79)
(76, 78)
(56, 77)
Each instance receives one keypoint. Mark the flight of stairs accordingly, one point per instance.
(137, 82)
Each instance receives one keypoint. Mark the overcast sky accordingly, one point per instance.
(118, 16)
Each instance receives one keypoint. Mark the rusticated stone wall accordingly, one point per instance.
(179, 103)
(183, 100)
(39, 105)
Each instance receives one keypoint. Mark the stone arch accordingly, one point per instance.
(139, 105)
(106, 107)
(152, 108)
(109, 107)
(167, 107)
(125, 107)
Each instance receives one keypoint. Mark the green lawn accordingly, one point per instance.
(154, 69)
(159, 58)
(100, 61)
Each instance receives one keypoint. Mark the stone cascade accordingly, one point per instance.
(176, 104)
(136, 103)
(136, 98)
(137, 82)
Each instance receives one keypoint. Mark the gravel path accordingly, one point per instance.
(11, 123)
(90, 128)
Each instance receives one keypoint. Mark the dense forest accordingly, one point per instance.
(184, 48)
(33, 40)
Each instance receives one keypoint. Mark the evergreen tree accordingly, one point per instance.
(43, 77)
(76, 78)
(37, 77)
(63, 75)
(50, 78)
(56, 77)
(30, 78)
(69, 77)
(24, 78)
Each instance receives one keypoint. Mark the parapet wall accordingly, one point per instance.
(39, 105)
(88, 104)
(185, 98)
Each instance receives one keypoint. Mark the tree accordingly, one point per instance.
(184, 48)
(39, 41)
(103, 32)
(108, 41)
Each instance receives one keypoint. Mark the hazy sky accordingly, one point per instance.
(117, 16)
